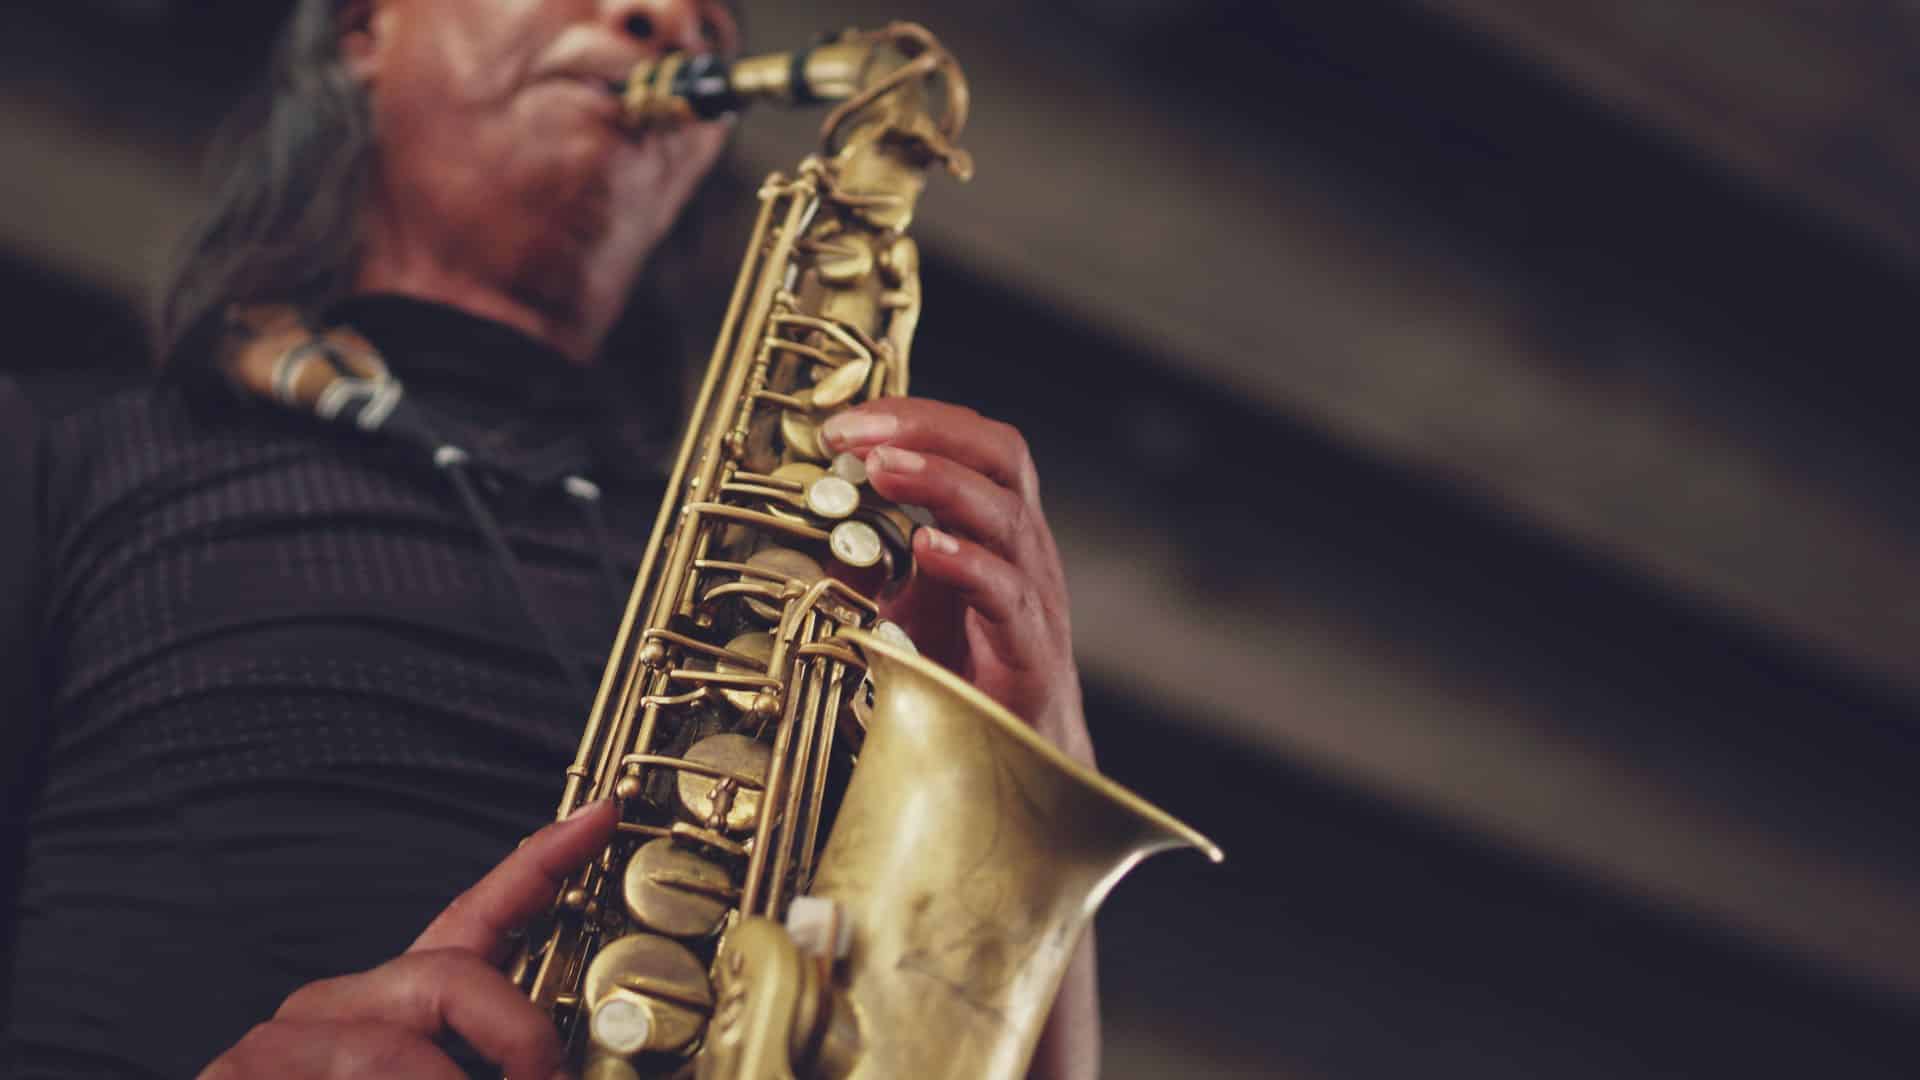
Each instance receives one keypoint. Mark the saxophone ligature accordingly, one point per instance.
(834, 858)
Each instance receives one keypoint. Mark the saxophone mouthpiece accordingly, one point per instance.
(677, 89)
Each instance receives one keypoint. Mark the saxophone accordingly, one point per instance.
(754, 700)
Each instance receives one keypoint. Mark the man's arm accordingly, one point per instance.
(1070, 1043)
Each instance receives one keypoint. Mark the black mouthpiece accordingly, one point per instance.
(704, 84)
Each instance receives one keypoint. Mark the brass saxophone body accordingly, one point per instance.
(834, 858)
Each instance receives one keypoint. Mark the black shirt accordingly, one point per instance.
(295, 704)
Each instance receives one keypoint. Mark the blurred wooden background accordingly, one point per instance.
(1480, 436)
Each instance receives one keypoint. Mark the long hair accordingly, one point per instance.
(288, 169)
(287, 176)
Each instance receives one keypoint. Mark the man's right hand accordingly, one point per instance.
(385, 1022)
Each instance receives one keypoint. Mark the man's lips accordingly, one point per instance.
(596, 97)
(593, 60)
(595, 81)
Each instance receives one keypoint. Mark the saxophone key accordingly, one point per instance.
(792, 567)
(757, 646)
(851, 468)
(673, 891)
(799, 474)
(802, 475)
(856, 544)
(732, 799)
(802, 436)
(654, 994)
(832, 497)
(842, 383)
(621, 1025)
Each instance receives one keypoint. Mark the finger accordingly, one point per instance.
(431, 993)
(299, 1050)
(519, 888)
(986, 446)
(1013, 614)
(963, 501)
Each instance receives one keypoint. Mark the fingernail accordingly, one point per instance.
(940, 542)
(894, 459)
(587, 809)
(848, 428)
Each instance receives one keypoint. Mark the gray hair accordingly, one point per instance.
(290, 167)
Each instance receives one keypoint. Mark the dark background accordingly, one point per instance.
(1480, 435)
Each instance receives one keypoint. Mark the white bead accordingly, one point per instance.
(818, 926)
(622, 1025)
(832, 497)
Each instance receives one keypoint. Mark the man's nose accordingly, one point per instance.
(663, 25)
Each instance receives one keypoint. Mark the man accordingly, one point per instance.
(303, 682)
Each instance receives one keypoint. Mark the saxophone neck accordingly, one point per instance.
(887, 74)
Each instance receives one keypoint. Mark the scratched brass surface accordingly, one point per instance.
(970, 857)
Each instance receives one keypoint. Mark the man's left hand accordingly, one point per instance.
(989, 598)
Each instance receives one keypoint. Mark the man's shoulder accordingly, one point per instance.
(54, 392)
(148, 427)
(138, 424)
(66, 409)
(141, 446)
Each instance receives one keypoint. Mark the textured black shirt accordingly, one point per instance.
(295, 704)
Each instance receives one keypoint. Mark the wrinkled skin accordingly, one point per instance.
(502, 186)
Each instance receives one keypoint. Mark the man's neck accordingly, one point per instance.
(564, 298)
(567, 336)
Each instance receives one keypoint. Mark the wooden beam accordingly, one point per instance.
(100, 207)
(1814, 101)
(1494, 747)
